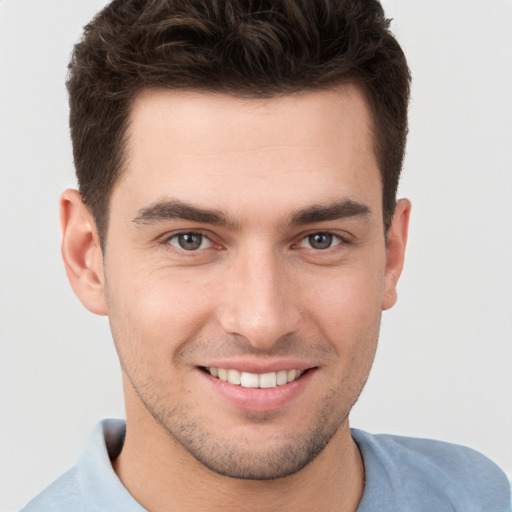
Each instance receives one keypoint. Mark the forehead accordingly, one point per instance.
(211, 148)
(194, 117)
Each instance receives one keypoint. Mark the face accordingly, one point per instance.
(245, 273)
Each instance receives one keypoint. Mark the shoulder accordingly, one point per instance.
(431, 475)
(63, 495)
(91, 484)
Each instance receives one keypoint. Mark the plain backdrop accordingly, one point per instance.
(444, 364)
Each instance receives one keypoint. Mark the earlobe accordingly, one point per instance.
(81, 252)
(395, 251)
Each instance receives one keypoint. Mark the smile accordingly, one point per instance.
(255, 380)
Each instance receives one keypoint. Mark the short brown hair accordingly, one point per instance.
(251, 48)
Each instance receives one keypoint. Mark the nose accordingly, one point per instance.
(260, 300)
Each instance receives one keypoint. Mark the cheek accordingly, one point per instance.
(153, 315)
(348, 302)
(347, 313)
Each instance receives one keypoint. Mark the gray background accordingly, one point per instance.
(444, 364)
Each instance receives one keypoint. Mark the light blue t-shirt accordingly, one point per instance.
(402, 475)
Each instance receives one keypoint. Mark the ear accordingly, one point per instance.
(81, 252)
(395, 251)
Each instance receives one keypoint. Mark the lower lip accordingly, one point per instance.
(259, 399)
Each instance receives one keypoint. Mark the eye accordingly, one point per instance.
(190, 241)
(320, 241)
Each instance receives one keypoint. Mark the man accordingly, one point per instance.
(237, 221)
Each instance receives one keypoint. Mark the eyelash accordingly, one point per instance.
(336, 240)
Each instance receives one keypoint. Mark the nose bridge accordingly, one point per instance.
(259, 304)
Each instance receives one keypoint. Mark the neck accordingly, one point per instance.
(162, 476)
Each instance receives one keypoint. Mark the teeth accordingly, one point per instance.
(250, 380)
(268, 380)
(255, 380)
(234, 377)
(281, 377)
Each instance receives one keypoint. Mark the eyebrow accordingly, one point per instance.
(175, 209)
(346, 208)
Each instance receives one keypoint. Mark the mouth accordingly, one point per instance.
(255, 380)
(254, 388)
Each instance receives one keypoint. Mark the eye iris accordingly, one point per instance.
(320, 240)
(190, 241)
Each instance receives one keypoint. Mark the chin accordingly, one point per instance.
(270, 458)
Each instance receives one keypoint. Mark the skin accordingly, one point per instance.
(258, 178)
